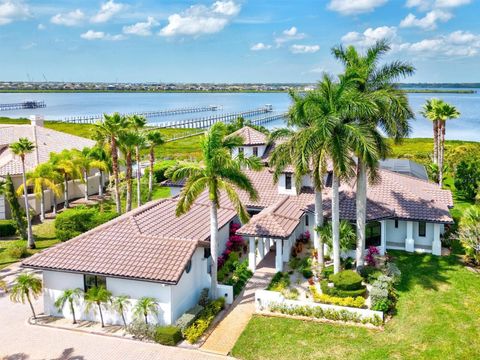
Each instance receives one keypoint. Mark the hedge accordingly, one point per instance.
(7, 228)
(347, 280)
(188, 317)
(167, 335)
(333, 291)
(358, 302)
(205, 318)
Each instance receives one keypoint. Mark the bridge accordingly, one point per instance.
(23, 105)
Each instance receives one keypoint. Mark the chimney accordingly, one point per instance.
(37, 120)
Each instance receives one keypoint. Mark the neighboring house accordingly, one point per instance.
(148, 252)
(46, 141)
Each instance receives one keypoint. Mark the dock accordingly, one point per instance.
(23, 105)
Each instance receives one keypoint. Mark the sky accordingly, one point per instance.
(231, 40)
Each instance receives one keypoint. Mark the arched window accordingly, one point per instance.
(188, 267)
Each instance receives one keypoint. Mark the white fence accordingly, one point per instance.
(265, 298)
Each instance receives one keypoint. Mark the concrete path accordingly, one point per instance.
(22, 341)
(226, 333)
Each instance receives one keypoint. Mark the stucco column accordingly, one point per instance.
(436, 243)
(278, 255)
(409, 241)
(266, 243)
(252, 261)
(383, 237)
(261, 249)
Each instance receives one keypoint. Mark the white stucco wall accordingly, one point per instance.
(398, 235)
(3, 211)
(393, 234)
(248, 150)
(281, 186)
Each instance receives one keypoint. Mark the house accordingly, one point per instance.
(151, 252)
(46, 141)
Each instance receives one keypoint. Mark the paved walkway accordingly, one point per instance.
(21, 341)
(227, 332)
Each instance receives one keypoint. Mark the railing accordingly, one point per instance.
(23, 105)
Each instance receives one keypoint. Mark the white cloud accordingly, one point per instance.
(318, 70)
(201, 19)
(107, 11)
(260, 46)
(352, 7)
(304, 49)
(72, 18)
(41, 27)
(428, 22)
(451, 3)
(370, 36)
(100, 35)
(11, 10)
(424, 5)
(289, 35)
(141, 28)
(29, 46)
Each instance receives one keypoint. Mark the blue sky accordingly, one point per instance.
(231, 40)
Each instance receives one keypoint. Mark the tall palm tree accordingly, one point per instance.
(63, 164)
(439, 112)
(83, 160)
(43, 177)
(137, 123)
(21, 148)
(127, 142)
(71, 296)
(110, 129)
(145, 306)
(219, 171)
(120, 305)
(154, 139)
(97, 296)
(393, 115)
(26, 286)
(100, 160)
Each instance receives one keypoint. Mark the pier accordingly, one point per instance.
(23, 105)
(90, 119)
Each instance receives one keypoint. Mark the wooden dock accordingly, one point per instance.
(23, 105)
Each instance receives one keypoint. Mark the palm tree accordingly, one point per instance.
(120, 304)
(219, 171)
(110, 129)
(97, 296)
(154, 139)
(43, 177)
(100, 160)
(21, 148)
(63, 164)
(127, 142)
(83, 160)
(394, 113)
(138, 122)
(25, 287)
(347, 236)
(145, 306)
(439, 112)
(71, 296)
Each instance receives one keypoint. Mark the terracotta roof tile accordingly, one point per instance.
(251, 136)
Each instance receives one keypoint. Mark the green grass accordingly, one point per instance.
(438, 318)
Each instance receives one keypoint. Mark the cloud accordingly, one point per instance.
(370, 36)
(200, 19)
(29, 46)
(425, 5)
(451, 3)
(41, 27)
(72, 18)
(141, 28)
(260, 46)
(289, 35)
(11, 10)
(428, 22)
(353, 7)
(100, 35)
(304, 49)
(107, 11)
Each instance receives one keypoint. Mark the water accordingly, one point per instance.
(61, 105)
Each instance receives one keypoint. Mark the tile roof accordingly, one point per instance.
(46, 141)
(251, 136)
(149, 243)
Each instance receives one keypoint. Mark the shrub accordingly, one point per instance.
(204, 300)
(291, 294)
(167, 335)
(339, 292)
(240, 276)
(383, 295)
(347, 280)
(370, 257)
(7, 228)
(205, 318)
(357, 302)
(294, 263)
(159, 170)
(370, 273)
(188, 317)
(307, 273)
(17, 251)
(327, 271)
(141, 331)
(280, 281)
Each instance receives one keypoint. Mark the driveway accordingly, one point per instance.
(21, 341)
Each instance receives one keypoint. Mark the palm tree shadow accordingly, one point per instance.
(67, 354)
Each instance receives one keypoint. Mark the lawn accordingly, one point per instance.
(438, 317)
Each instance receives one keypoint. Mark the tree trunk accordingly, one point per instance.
(123, 319)
(335, 224)
(441, 152)
(85, 174)
(30, 241)
(42, 205)
(31, 306)
(435, 141)
(146, 318)
(213, 248)
(54, 205)
(100, 184)
(318, 241)
(139, 195)
(361, 205)
(150, 175)
(101, 315)
(118, 204)
(128, 179)
(73, 312)
(65, 192)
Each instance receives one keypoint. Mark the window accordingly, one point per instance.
(90, 281)
(255, 151)
(188, 267)
(373, 234)
(241, 150)
(288, 181)
(307, 220)
(396, 224)
(206, 253)
(422, 228)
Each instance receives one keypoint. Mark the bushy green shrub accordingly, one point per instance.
(167, 335)
(7, 228)
(141, 331)
(307, 273)
(291, 294)
(17, 251)
(205, 318)
(294, 263)
(240, 276)
(159, 170)
(204, 300)
(280, 281)
(333, 291)
(188, 317)
(347, 280)
(327, 271)
(357, 302)
(370, 273)
(383, 294)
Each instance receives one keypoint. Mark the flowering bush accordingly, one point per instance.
(370, 257)
(235, 243)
